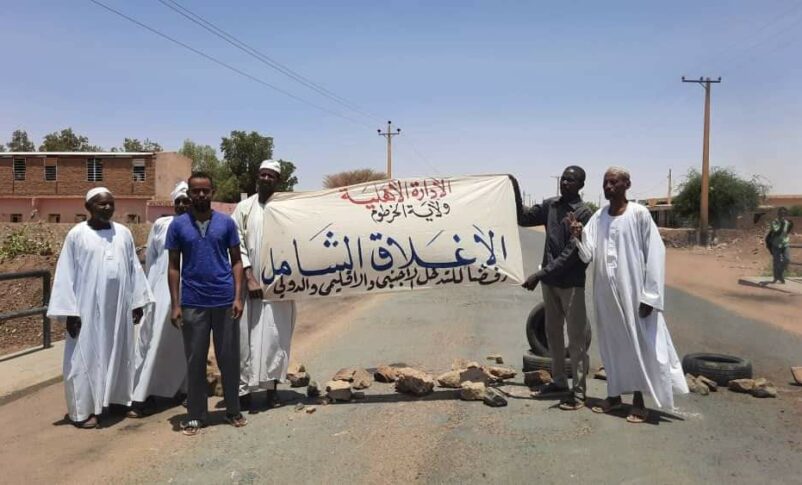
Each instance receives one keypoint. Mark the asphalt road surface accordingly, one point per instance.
(392, 438)
(387, 437)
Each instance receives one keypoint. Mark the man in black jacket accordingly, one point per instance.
(563, 276)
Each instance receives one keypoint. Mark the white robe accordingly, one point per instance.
(265, 327)
(161, 365)
(99, 279)
(629, 269)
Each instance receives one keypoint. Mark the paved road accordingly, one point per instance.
(391, 438)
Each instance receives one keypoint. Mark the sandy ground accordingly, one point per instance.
(713, 275)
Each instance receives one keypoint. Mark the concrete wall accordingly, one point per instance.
(171, 168)
(67, 208)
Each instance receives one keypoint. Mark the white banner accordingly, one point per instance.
(391, 235)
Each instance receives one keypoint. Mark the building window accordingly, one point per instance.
(19, 169)
(50, 173)
(139, 170)
(94, 170)
(16, 217)
(133, 218)
(80, 217)
(54, 218)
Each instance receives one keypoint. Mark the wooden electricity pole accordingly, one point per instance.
(389, 135)
(703, 209)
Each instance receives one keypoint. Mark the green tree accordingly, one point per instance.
(136, 145)
(288, 179)
(243, 152)
(67, 141)
(20, 142)
(592, 206)
(730, 196)
(350, 177)
(204, 159)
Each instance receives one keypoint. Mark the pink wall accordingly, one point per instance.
(40, 208)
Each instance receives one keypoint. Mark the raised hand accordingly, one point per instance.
(574, 225)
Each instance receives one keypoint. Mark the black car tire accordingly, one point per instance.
(718, 367)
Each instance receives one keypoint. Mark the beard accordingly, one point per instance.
(202, 205)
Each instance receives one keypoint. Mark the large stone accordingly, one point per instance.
(300, 379)
(450, 379)
(413, 381)
(537, 378)
(696, 386)
(472, 391)
(764, 388)
(796, 372)
(313, 390)
(385, 374)
(476, 374)
(502, 373)
(710, 383)
(361, 379)
(346, 374)
(494, 398)
(741, 385)
(338, 390)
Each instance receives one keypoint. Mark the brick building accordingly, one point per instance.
(51, 186)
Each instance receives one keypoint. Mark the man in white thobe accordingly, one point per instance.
(161, 367)
(265, 327)
(628, 258)
(99, 289)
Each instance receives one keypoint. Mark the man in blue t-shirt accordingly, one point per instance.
(205, 241)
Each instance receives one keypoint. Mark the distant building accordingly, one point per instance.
(661, 210)
(51, 186)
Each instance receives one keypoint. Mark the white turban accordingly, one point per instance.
(180, 190)
(272, 165)
(95, 192)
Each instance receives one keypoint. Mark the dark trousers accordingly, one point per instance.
(781, 258)
(198, 323)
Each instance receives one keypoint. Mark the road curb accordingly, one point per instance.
(20, 393)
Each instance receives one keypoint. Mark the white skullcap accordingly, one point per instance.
(272, 165)
(95, 192)
(180, 190)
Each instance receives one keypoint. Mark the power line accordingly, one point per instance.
(226, 65)
(264, 58)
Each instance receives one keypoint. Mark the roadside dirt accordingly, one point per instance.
(713, 274)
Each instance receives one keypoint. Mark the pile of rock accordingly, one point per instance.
(759, 387)
(297, 375)
(701, 384)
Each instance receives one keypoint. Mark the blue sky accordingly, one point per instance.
(476, 86)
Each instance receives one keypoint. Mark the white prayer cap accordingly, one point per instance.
(180, 190)
(272, 165)
(96, 191)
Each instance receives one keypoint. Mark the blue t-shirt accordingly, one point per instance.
(206, 277)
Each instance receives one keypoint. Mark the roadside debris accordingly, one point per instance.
(502, 373)
(710, 383)
(797, 373)
(496, 357)
(385, 374)
(494, 398)
(759, 387)
(600, 374)
(310, 409)
(338, 390)
(361, 379)
(696, 386)
(346, 374)
(537, 378)
(413, 381)
(312, 390)
(297, 375)
(300, 407)
(472, 391)
(454, 379)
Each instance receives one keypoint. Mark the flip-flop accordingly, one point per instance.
(571, 405)
(637, 417)
(607, 407)
(237, 421)
(87, 423)
(191, 427)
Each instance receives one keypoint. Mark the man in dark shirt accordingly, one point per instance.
(563, 276)
(205, 261)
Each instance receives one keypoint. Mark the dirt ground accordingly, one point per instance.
(713, 274)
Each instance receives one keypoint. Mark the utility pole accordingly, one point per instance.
(558, 177)
(389, 135)
(703, 209)
(669, 187)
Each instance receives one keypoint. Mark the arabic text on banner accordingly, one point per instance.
(392, 235)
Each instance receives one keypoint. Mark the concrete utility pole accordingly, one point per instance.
(703, 209)
(670, 188)
(558, 177)
(389, 135)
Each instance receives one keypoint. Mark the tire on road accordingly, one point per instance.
(536, 332)
(718, 367)
(532, 361)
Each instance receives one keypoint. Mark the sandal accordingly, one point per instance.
(191, 427)
(638, 415)
(571, 404)
(550, 389)
(607, 406)
(89, 423)
(237, 421)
